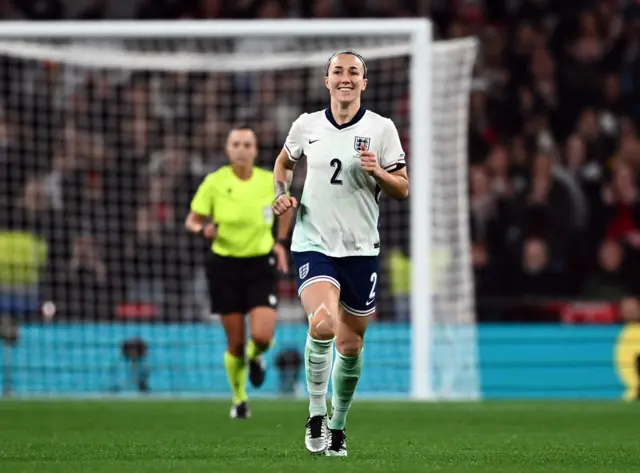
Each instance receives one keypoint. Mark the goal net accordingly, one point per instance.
(104, 140)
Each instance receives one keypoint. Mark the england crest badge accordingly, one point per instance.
(304, 270)
(359, 141)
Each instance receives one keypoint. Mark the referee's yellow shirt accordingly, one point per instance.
(241, 211)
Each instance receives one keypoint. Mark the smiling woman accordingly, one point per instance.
(241, 268)
(352, 156)
(356, 66)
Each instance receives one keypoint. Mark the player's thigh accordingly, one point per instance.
(226, 293)
(317, 281)
(359, 284)
(359, 279)
(321, 295)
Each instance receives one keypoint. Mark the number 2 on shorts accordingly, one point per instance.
(373, 279)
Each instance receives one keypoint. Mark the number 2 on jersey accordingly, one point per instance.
(335, 179)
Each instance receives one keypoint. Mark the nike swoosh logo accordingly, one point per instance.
(313, 141)
(369, 302)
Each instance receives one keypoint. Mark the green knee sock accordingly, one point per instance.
(318, 355)
(344, 379)
(254, 351)
(237, 376)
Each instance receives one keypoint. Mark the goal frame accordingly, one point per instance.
(419, 33)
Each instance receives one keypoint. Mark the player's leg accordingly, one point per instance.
(262, 301)
(345, 375)
(359, 277)
(235, 364)
(320, 301)
(226, 301)
(319, 292)
(262, 324)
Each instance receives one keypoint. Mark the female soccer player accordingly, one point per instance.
(241, 268)
(352, 155)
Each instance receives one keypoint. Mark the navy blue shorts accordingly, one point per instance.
(355, 276)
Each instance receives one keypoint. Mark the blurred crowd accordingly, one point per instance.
(554, 152)
(102, 165)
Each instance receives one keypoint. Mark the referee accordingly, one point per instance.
(241, 268)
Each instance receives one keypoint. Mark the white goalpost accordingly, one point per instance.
(100, 118)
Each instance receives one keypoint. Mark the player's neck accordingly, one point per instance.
(344, 113)
(243, 173)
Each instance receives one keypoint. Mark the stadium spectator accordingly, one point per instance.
(84, 289)
(144, 251)
(537, 274)
(630, 310)
(486, 272)
(609, 281)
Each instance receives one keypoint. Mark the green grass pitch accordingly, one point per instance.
(197, 436)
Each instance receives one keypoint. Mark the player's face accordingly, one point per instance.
(242, 147)
(346, 78)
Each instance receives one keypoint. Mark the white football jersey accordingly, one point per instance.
(338, 212)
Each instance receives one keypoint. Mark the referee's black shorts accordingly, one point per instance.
(238, 285)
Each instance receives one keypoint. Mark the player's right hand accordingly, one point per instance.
(284, 203)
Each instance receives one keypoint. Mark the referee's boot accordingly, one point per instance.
(257, 371)
(240, 411)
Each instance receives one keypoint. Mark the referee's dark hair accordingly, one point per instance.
(353, 53)
(243, 126)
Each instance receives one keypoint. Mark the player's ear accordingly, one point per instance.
(326, 81)
(364, 84)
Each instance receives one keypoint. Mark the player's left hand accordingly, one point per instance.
(281, 257)
(369, 161)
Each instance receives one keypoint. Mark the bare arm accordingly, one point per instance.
(197, 224)
(194, 222)
(283, 173)
(282, 177)
(284, 225)
(394, 184)
(285, 220)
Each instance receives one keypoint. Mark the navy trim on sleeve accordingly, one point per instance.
(291, 156)
(395, 166)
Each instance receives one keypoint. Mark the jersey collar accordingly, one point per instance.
(356, 118)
